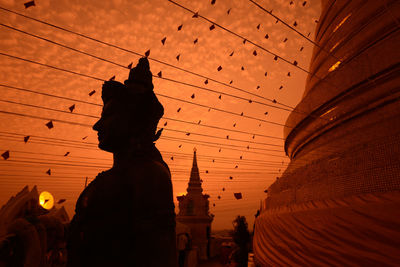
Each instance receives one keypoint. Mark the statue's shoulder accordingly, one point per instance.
(152, 166)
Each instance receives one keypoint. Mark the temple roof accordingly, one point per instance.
(194, 184)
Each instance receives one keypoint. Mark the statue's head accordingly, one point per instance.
(131, 111)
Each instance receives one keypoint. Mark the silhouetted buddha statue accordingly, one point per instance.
(125, 217)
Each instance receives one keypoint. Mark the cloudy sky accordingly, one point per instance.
(33, 94)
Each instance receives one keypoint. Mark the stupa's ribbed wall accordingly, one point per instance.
(343, 140)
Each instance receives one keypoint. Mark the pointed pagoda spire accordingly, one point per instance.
(194, 184)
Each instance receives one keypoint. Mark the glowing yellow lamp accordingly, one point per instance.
(46, 200)
(334, 66)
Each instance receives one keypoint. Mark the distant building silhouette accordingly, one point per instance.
(338, 201)
(194, 212)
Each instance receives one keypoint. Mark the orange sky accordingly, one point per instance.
(140, 26)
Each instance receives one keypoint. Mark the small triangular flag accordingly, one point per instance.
(112, 78)
(295, 63)
(195, 15)
(172, 158)
(231, 54)
(71, 108)
(147, 53)
(212, 27)
(231, 82)
(196, 40)
(180, 146)
(192, 96)
(48, 172)
(229, 11)
(6, 155)
(238, 195)
(266, 36)
(130, 65)
(178, 56)
(255, 53)
(288, 74)
(220, 96)
(244, 41)
(241, 114)
(29, 4)
(274, 101)
(180, 27)
(206, 81)
(280, 87)
(295, 24)
(234, 125)
(258, 26)
(26, 138)
(159, 74)
(163, 40)
(50, 124)
(165, 124)
(276, 58)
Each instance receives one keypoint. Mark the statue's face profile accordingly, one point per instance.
(112, 127)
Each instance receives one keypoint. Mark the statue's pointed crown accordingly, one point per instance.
(141, 74)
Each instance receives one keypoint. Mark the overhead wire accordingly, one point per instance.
(100, 79)
(166, 129)
(238, 35)
(137, 54)
(173, 153)
(167, 118)
(291, 28)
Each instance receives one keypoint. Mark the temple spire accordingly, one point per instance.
(194, 182)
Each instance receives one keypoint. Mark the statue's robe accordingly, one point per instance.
(126, 217)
